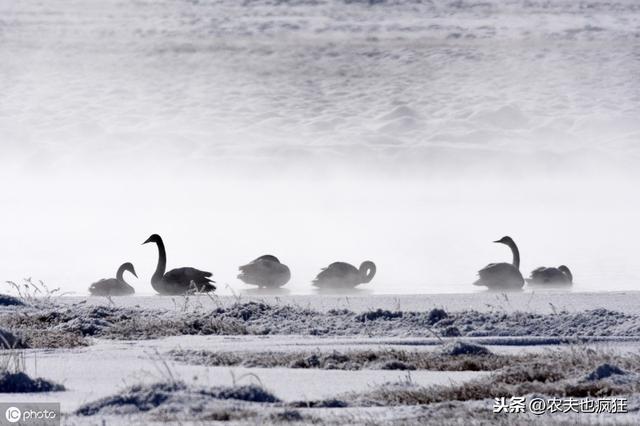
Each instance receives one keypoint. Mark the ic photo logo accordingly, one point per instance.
(13, 414)
(30, 413)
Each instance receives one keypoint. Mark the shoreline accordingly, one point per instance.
(540, 302)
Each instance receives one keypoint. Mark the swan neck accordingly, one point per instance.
(367, 271)
(568, 274)
(162, 263)
(516, 254)
(120, 274)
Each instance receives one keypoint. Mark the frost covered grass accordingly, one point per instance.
(545, 367)
(540, 381)
(171, 399)
(384, 359)
(13, 378)
(60, 325)
(143, 398)
(570, 370)
(70, 326)
(576, 372)
(9, 340)
(35, 293)
(32, 297)
(12, 361)
(20, 382)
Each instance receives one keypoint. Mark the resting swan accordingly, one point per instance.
(560, 276)
(114, 286)
(502, 276)
(265, 271)
(180, 280)
(343, 275)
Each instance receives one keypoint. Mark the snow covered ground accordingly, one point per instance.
(99, 370)
(367, 350)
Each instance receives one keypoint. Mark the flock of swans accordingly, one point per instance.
(268, 272)
(507, 276)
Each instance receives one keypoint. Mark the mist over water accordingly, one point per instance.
(411, 134)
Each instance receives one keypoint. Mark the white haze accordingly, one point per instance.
(408, 133)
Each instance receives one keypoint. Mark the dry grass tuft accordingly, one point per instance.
(555, 373)
(36, 293)
(384, 359)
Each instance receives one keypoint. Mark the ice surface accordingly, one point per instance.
(420, 82)
(128, 363)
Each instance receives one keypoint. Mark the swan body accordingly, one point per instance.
(502, 276)
(114, 286)
(345, 275)
(265, 271)
(180, 280)
(560, 276)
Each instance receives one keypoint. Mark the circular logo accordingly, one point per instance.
(13, 414)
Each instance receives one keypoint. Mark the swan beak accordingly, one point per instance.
(134, 273)
(147, 241)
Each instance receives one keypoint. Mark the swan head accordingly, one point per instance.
(155, 238)
(505, 240)
(129, 267)
(367, 271)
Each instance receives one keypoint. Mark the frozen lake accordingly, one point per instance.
(427, 84)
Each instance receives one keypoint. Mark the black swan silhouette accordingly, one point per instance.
(502, 276)
(180, 280)
(343, 275)
(560, 276)
(265, 271)
(114, 286)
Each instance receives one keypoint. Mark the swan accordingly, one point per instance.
(265, 271)
(560, 276)
(180, 280)
(344, 275)
(114, 286)
(502, 276)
